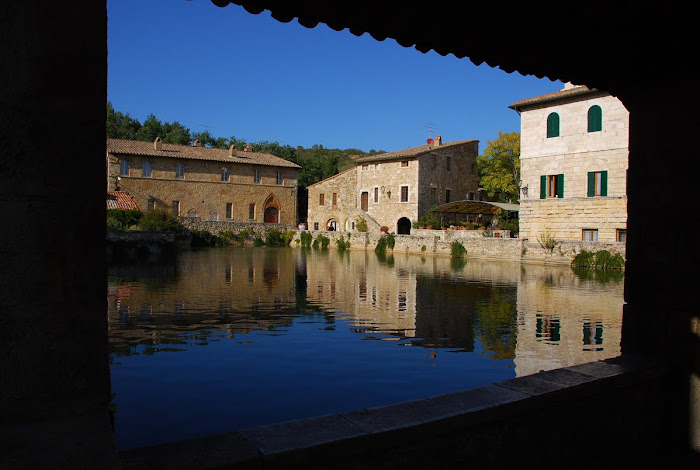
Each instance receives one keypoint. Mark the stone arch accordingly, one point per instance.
(271, 209)
(403, 226)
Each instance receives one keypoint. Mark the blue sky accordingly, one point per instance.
(250, 76)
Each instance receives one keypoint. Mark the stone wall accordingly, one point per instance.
(216, 227)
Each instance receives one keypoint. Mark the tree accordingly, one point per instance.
(150, 129)
(120, 125)
(499, 167)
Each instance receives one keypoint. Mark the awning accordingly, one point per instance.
(475, 207)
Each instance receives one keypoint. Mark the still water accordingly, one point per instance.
(229, 338)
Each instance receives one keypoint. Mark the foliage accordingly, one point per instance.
(602, 259)
(361, 225)
(386, 241)
(499, 167)
(257, 241)
(384, 229)
(390, 241)
(512, 224)
(429, 219)
(457, 249)
(118, 219)
(120, 125)
(274, 237)
(547, 241)
(322, 241)
(159, 219)
(342, 243)
(306, 238)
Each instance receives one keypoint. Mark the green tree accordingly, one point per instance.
(120, 125)
(499, 167)
(150, 129)
(175, 133)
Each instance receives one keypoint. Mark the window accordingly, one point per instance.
(151, 204)
(553, 125)
(124, 168)
(147, 169)
(590, 234)
(376, 194)
(321, 199)
(376, 166)
(621, 235)
(595, 118)
(180, 171)
(404, 164)
(470, 196)
(448, 194)
(365, 167)
(551, 186)
(315, 225)
(280, 178)
(334, 201)
(213, 216)
(449, 163)
(597, 183)
(433, 195)
(229, 210)
(404, 193)
(224, 174)
(256, 177)
(251, 211)
(176, 208)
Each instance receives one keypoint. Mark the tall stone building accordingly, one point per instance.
(394, 189)
(209, 183)
(574, 148)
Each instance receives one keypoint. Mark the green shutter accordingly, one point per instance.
(591, 183)
(543, 187)
(595, 119)
(553, 125)
(603, 183)
(560, 186)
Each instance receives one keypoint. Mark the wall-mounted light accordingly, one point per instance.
(524, 190)
(388, 194)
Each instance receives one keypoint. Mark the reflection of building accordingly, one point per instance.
(210, 183)
(394, 189)
(574, 157)
(562, 322)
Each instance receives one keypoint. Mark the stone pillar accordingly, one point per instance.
(54, 366)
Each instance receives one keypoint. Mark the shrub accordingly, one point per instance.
(390, 241)
(361, 225)
(342, 243)
(257, 241)
(159, 219)
(386, 241)
(306, 239)
(322, 241)
(457, 250)
(123, 219)
(547, 241)
(602, 259)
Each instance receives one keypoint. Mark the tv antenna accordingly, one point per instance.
(430, 125)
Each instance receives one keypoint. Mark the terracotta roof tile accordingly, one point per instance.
(137, 147)
(557, 95)
(411, 152)
(121, 200)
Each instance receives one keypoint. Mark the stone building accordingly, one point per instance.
(574, 149)
(209, 183)
(394, 189)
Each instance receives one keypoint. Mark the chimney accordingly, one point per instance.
(158, 144)
(437, 141)
(248, 148)
(196, 143)
(232, 151)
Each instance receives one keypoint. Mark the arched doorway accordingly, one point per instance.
(403, 226)
(332, 224)
(272, 210)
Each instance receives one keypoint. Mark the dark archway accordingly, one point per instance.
(272, 215)
(403, 226)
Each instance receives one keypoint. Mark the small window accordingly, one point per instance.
(365, 167)
(376, 194)
(192, 213)
(224, 174)
(597, 183)
(621, 235)
(590, 234)
(213, 216)
(321, 199)
(449, 163)
(256, 177)
(147, 170)
(551, 186)
(376, 166)
(180, 171)
(251, 211)
(334, 200)
(176, 208)
(448, 195)
(124, 168)
(151, 204)
(595, 119)
(404, 164)
(315, 225)
(553, 125)
(280, 178)
(470, 196)
(229, 210)
(433, 195)
(404, 193)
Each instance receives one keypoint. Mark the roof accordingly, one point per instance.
(143, 148)
(475, 207)
(411, 152)
(566, 93)
(121, 200)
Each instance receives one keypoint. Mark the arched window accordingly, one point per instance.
(147, 169)
(595, 118)
(553, 125)
(213, 216)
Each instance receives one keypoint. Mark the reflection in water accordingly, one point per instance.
(229, 338)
